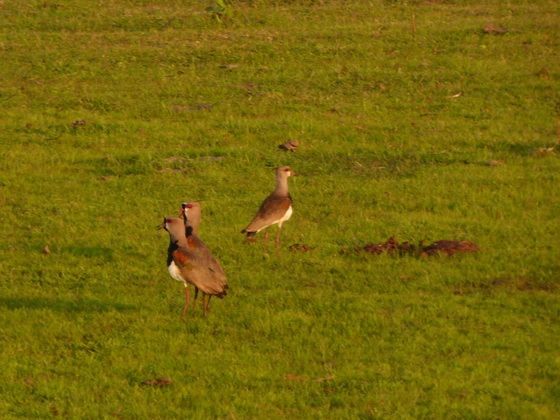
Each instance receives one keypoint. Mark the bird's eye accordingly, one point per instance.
(189, 206)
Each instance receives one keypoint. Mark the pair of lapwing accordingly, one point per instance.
(190, 261)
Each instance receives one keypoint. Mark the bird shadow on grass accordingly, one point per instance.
(60, 305)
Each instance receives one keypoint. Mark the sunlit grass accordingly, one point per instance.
(412, 122)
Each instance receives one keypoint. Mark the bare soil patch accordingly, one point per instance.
(392, 247)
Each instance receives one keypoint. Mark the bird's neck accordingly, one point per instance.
(175, 243)
(191, 227)
(282, 186)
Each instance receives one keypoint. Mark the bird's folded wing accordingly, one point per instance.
(194, 243)
(197, 246)
(272, 210)
(185, 258)
(210, 280)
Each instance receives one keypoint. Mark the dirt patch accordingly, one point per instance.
(450, 247)
(520, 284)
(291, 377)
(392, 247)
(195, 107)
(494, 30)
(300, 247)
(158, 382)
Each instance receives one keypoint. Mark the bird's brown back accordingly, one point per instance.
(272, 209)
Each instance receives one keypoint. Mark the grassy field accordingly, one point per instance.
(419, 120)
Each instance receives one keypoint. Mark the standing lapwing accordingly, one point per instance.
(192, 214)
(276, 209)
(187, 266)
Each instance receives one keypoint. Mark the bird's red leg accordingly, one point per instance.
(277, 240)
(265, 239)
(195, 296)
(187, 300)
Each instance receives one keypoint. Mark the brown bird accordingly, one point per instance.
(276, 209)
(188, 266)
(192, 214)
(290, 145)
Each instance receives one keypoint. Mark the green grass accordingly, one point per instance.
(398, 107)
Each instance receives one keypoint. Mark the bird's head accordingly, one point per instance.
(285, 172)
(191, 212)
(185, 209)
(173, 225)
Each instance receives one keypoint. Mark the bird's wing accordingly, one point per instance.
(271, 210)
(217, 279)
(199, 272)
(185, 258)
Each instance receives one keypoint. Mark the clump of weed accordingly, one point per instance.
(221, 10)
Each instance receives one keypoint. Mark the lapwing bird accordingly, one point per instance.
(276, 208)
(192, 214)
(290, 145)
(188, 267)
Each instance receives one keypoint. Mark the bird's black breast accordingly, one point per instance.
(172, 248)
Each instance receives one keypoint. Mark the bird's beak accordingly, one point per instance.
(183, 213)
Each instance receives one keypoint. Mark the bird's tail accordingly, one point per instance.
(223, 293)
(249, 234)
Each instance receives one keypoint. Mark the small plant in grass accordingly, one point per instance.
(220, 10)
